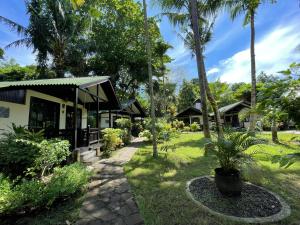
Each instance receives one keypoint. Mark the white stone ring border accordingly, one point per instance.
(284, 212)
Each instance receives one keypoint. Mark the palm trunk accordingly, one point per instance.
(274, 131)
(200, 66)
(155, 153)
(214, 107)
(253, 76)
(164, 88)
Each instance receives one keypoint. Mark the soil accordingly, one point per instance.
(254, 201)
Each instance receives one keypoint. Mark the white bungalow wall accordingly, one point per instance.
(19, 113)
(105, 119)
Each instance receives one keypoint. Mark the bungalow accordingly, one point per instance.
(191, 114)
(230, 114)
(130, 109)
(59, 106)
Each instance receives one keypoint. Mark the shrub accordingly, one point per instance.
(33, 194)
(146, 134)
(126, 125)
(16, 156)
(51, 153)
(179, 125)
(195, 127)
(112, 139)
(66, 181)
(186, 129)
(26, 153)
(137, 128)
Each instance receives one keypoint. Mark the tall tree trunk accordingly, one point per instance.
(214, 107)
(155, 153)
(200, 66)
(253, 75)
(274, 131)
(164, 88)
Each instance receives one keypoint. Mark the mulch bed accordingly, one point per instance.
(254, 201)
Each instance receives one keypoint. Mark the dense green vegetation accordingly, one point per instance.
(159, 184)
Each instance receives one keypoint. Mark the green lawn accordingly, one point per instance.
(159, 184)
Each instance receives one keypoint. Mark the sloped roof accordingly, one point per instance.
(74, 81)
(189, 111)
(227, 108)
(126, 105)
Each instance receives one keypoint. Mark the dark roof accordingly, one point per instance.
(63, 88)
(190, 111)
(232, 106)
(74, 81)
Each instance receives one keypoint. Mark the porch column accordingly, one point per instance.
(109, 118)
(190, 120)
(97, 115)
(75, 103)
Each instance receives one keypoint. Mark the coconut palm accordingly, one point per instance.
(180, 14)
(249, 8)
(53, 26)
(148, 46)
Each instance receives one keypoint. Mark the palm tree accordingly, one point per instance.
(205, 30)
(53, 26)
(148, 46)
(249, 8)
(160, 50)
(180, 13)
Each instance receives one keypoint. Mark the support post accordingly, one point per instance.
(97, 114)
(75, 116)
(109, 118)
(190, 120)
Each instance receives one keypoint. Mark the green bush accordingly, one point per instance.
(137, 128)
(112, 138)
(195, 127)
(125, 125)
(179, 125)
(33, 194)
(66, 181)
(186, 129)
(146, 134)
(26, 153)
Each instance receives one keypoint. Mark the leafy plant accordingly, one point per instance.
(112, 139)
(195, 127)
(146, 134)
(50, 153)
(126, 126)
(230, 150)
(179, 125)
(33, 194)
(186, 129)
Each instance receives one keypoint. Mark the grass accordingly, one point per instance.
(159, 184)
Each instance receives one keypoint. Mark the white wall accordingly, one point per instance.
(19, 113)
(104, 122)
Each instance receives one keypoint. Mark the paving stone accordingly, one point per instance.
(109, 200)
(134, 219)
(124, 211)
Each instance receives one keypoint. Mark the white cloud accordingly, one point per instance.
(274, 52)
(213, 71)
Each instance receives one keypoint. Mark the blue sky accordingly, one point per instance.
(227, 55)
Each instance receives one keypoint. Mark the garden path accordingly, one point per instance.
(109, 200)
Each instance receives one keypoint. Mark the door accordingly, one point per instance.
(70, 118)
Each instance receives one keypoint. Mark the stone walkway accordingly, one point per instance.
(109, 200)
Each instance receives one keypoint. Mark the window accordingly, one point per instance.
(4, 112)
(44, 115)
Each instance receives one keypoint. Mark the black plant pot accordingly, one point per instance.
(229, 183)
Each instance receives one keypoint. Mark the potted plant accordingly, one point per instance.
(230, 153)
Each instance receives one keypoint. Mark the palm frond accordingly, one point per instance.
(177, 19)
(22, 42)
(13, 25)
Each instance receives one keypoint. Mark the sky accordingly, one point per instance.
(227, 56)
